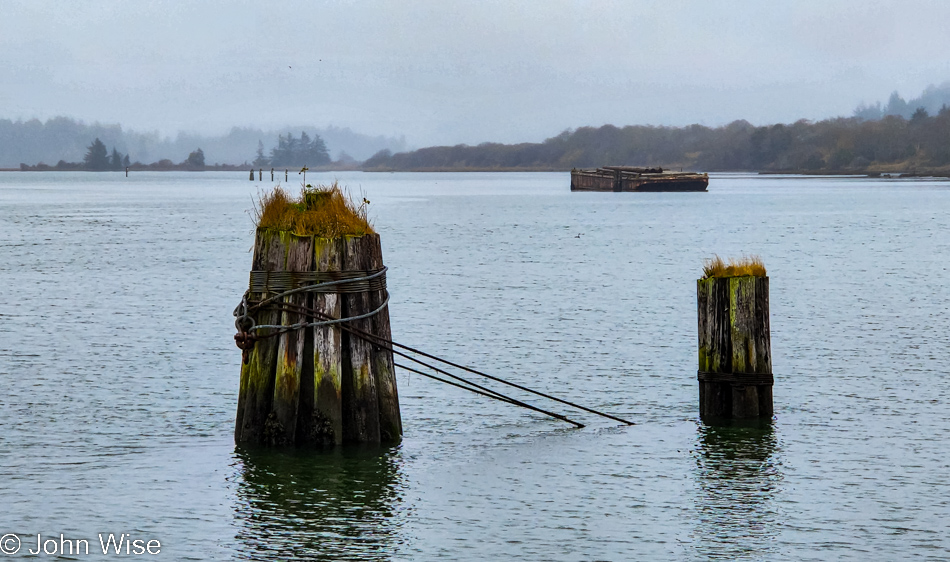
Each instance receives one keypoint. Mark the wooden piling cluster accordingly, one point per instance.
(251, 175)
(318, 385)
(735, 356)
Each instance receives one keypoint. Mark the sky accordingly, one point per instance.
(449, 72)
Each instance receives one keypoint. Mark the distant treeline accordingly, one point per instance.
(98, 159)
(891, 144)
(291, 151)
(63, 138)
(931, 100)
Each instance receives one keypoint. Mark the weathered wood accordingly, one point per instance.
(298, 256)
(625, 178)
(319, 385)
(360, 400)
(384, 372)
(734, 340)
(327, 424)
(257, 375)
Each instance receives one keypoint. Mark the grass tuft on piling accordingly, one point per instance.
(746, 266)
(322, 211)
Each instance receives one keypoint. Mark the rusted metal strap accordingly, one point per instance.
(336, 281)
(737, 379)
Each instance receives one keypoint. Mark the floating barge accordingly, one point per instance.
(629, 178)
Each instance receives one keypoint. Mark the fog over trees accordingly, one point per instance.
(891, 144)
(62, 138)
(899, 136)
(931, 100)
(291, 151)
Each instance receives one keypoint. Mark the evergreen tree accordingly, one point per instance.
(97, 157)
(261, 160)
(317, 152)
(897, 106)
(125, 161)
(869, 112)
(115, 161)
(280, 155)
(292, 146)
(300, 152)
(196, 160)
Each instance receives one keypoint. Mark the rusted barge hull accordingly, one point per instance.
(628, 178)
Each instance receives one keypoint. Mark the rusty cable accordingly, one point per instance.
(391, 345)
(492, 394)
(473, 387)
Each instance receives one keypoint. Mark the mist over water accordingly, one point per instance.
(121, 376)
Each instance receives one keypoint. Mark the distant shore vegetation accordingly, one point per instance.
(33, 141)
(909, 137)
(99, 159)
(294, 152)
(891, 144)
(290, 152)
(902, 137)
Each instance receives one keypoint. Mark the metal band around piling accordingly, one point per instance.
(318, 281)
(357, 281)
(281, 328)
(288, 283)
(738, 379)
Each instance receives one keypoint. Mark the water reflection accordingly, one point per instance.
(738, 475)
(294, 505)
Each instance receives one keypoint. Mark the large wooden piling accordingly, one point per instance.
(319, 385)
(307, 383)
(735, 356)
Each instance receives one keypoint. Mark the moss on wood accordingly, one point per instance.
(322, 211)
(746, 266)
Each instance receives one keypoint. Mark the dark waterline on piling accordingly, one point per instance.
(120, 385)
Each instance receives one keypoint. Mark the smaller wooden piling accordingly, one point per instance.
(252, 175)
(271, 174)
(260, 174)
(735, 357)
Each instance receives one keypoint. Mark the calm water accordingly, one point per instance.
(120, 374)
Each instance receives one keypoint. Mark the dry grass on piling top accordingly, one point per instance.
(322, 211)
(745, 266)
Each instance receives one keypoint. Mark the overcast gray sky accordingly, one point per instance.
(444, 72)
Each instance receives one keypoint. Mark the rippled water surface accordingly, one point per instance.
(120, 374)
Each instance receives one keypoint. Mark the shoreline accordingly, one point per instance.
(873, 174)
